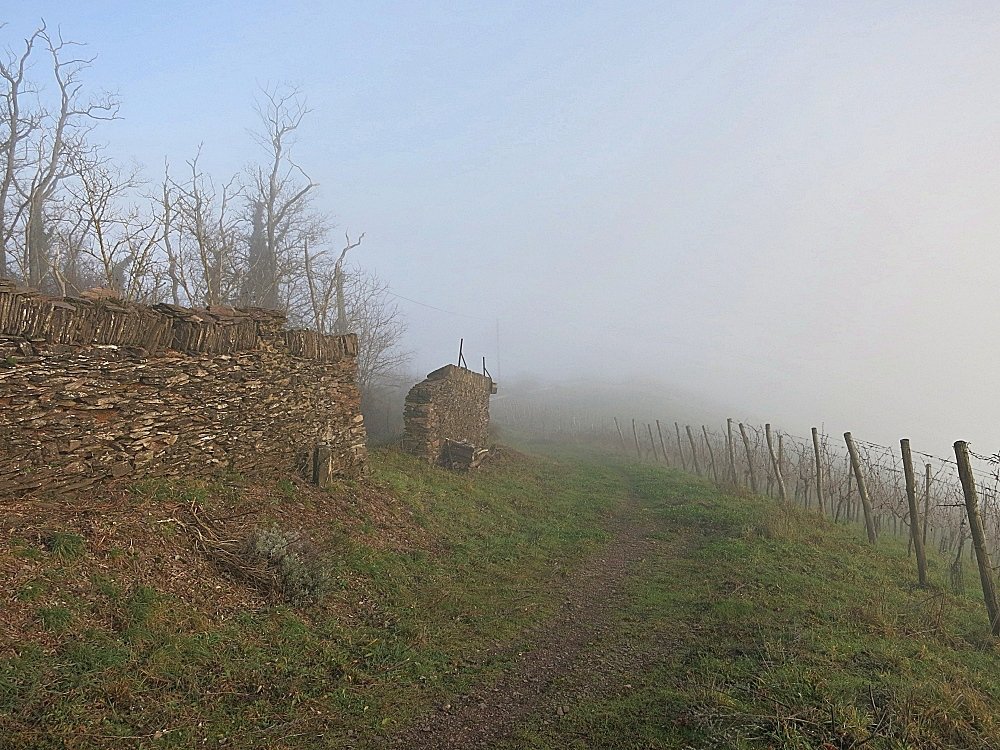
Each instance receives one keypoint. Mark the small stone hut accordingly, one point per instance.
(447, 417)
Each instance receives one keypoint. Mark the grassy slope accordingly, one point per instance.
(116, 657)
(767, 628)
(759, 628)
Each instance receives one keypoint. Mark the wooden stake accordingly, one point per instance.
(620, 436)
(746, 446)
(680, 446)
(638, 454)
(978, 537)
(911, 499)
(694, 450)
(652, 445)
(774, 464)
(862, 488)
(819, 470)
(927, 499)
(731, 448)
(663, 446)
(711, 453)
(781, 454)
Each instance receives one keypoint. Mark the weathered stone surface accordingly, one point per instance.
(93, 389)
(452, 404)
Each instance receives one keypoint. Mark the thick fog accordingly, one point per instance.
(781, 211)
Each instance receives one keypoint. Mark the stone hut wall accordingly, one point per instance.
(96, 388)
(452, 403)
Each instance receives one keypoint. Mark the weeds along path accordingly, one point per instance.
(561, 652)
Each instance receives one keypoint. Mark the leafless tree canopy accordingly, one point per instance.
(72, 217)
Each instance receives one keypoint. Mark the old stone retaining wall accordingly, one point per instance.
(92, 389)
(452, 403)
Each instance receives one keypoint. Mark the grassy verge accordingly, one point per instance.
(748, 625)
(766, 627)
(110, 658)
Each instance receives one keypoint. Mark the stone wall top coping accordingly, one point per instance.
(453, 371)
(100, 317)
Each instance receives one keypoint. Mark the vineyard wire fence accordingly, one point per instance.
(817, 473)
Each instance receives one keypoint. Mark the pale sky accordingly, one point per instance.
(788, 208)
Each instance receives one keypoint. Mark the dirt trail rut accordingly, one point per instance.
(593, 594)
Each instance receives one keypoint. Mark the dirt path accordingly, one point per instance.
(490, 713)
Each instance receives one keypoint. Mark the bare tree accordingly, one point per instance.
(363, 306)
(379, 324)
(325, 287)
(71, 218)
(38, 139)
(65, 133)
(18, 123)
(279, 197)
(204, 234)
(338, 277)
(105, 234)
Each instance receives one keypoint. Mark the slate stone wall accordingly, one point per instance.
(95, 388)
(452, 403)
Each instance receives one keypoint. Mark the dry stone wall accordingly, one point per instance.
(451, 404)
(95, 388)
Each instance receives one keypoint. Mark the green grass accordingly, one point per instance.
(65, 545)
(422, 625)
(766, 627)
(754, 626)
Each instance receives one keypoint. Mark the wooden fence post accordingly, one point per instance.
(680, 446)
(819, 470)
(663, 445)
(322, 470)
(638, 453)
(978, 537)
(911, 499)
(781, 455)
(862, 488)
(621, 437)
(927, 499)
(731, 448)
(694, 450)
(711, 453)
(746, 446)
(652, 445)
(774, 464)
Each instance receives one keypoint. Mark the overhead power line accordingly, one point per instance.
(439, 309)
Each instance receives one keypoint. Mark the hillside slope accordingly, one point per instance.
(543, 603)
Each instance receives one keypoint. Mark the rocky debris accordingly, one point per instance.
(461, 456)
(449, 411)
(96, 388)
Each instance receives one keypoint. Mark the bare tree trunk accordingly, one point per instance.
(819, 470)
(774, 464)
(911, 499)
(338, 280)
(746, 446)
(37, 245)
(862, 488)
(978, 537)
